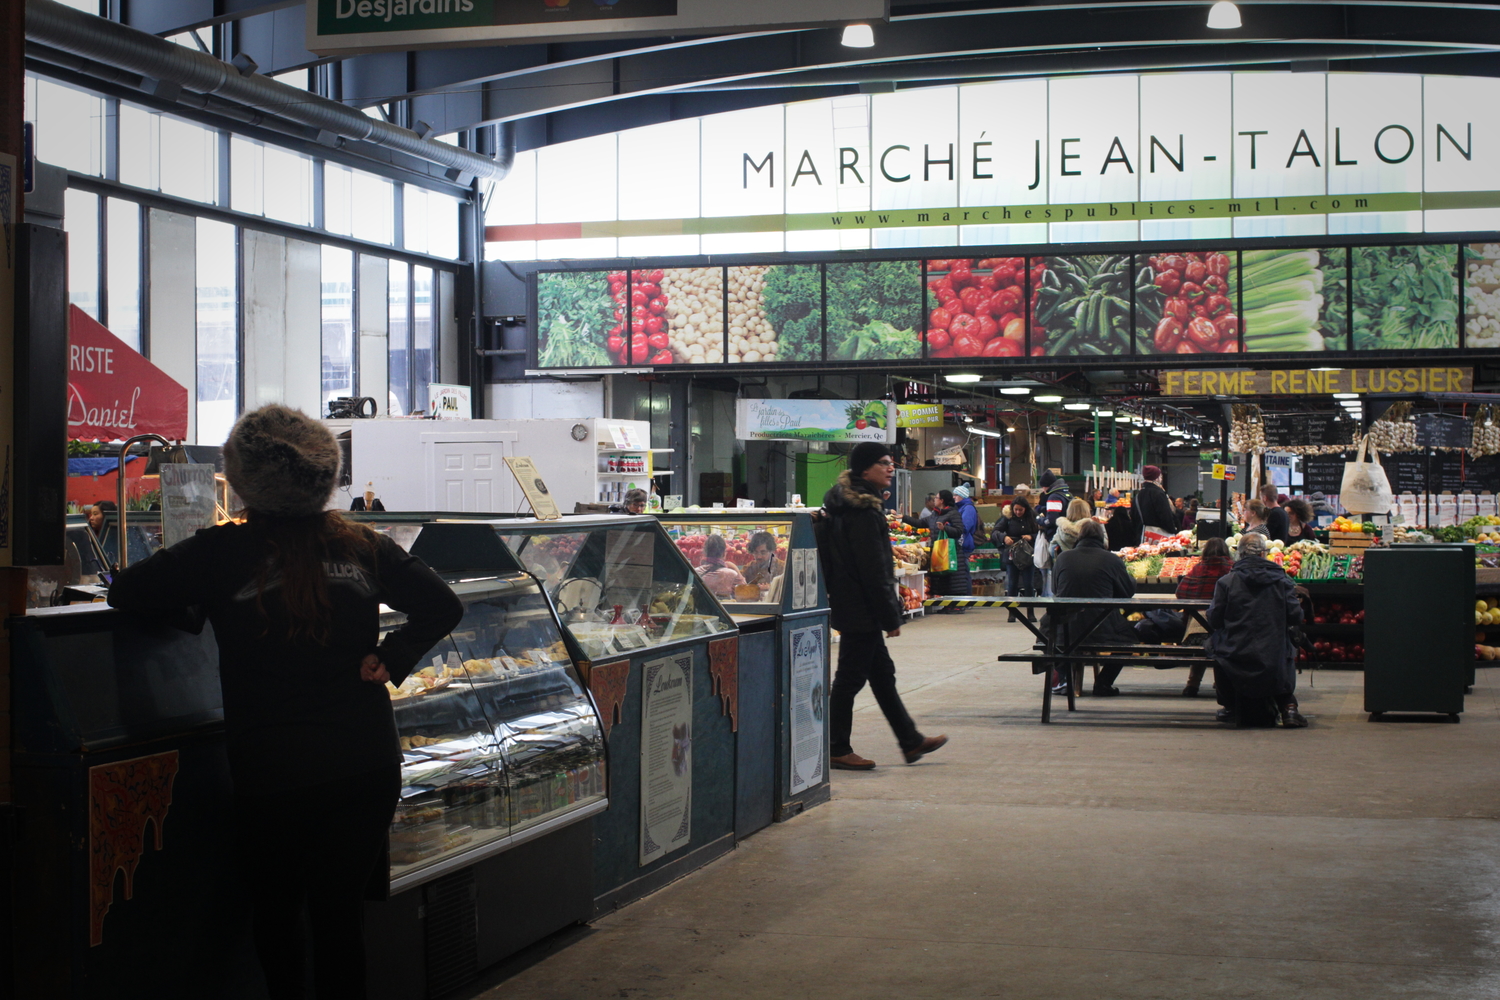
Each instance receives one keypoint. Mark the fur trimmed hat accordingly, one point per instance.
(282, 462)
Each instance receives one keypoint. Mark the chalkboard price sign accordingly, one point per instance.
(1324, 473)
(1294, 429)
(1443, 430)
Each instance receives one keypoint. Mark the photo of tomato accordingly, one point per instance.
(976, 308)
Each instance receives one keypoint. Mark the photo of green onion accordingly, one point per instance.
(1294, 300)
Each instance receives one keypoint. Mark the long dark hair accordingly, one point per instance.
(296, 549)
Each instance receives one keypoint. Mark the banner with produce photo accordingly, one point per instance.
(1080, 305)
(814, 420)
(775, 313)
(1295, 300)
(575, 318)
(1185, 303)
(1482, 295)
(1405, 297)
(977, 308)
(685, 315)
(874, 310)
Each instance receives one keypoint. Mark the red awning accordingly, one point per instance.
(114, 392)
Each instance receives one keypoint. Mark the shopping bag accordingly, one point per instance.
(1041, 556)
(1152, 533)
(942, 555)
(1365, 489)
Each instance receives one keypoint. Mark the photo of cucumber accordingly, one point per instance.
(1080, 306)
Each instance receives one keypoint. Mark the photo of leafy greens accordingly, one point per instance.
(574, 314)
(1405, 297)
(784, 302)
(874, 309)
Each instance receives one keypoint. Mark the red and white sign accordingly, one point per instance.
(114, 392)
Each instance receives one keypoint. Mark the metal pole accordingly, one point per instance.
(1114, 443)
(1096, 439)
(120, 485)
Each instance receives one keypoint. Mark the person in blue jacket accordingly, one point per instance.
(959, 518)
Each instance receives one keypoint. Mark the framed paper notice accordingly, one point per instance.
(666, 755)
(187, 500)
(535, 490)
(809, 707)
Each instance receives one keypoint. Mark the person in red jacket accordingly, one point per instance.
(1199, 585)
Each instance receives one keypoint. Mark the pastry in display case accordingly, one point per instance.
(498, 735)
(619, 584)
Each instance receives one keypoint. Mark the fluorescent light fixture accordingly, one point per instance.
(1346, 395)
(862, 36)
(988, 432)
(1178, 432)
(1075, 406)
(1104, 413)
(962, 377)
(1048, 399)
(1015, 390)
(1135, 433)
(1328, 369)
(1222, 15)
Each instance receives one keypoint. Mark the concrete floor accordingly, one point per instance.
(1134, 849)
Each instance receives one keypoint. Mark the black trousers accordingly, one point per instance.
(863, 658)
(311, 856)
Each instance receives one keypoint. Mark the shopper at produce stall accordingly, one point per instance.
(1020, 535)
(1152, 508)
(1299, 520)
(1089, 569)
(1052, 505)
(1276, 520)
(294, 595)
(1189, 512)
(634, 503)
(926, 517)
(959, 520)
(854, 545)
(1067, 525)
(1255, 519)
(720, 577)
(1253, 607)
(763, 566)
(1199, 585)
(1121, 530)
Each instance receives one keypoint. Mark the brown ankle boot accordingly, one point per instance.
(1195, 679)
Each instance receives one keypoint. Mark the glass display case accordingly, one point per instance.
(767, 564)
(619, 584)
(500, 741)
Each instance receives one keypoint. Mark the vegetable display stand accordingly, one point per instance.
(1419, 604)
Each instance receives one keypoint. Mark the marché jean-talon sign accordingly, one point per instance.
(1087, 156)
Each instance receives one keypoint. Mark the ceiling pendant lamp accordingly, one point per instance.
(862, 36)
(1222, 15)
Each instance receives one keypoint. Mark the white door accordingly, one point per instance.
(467, 472)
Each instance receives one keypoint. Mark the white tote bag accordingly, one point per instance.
(1366, 489)
(1041, 555)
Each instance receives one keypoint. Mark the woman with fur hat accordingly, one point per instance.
(294, 595)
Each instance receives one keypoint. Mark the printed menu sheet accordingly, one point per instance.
(666, 755)
(809, 707)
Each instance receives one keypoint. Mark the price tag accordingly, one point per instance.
(744, 504)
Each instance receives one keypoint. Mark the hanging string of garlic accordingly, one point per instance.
(1486, 438)
(1245, 431)
(1395, 430)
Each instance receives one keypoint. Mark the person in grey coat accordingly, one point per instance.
(1253, 607)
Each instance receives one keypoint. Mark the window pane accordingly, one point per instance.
(123, 229)
(288, 186)
(189, 160)
(246, 176)
(139, 141)
(414, 218)
(442, 226)
(81, 220)
(423, 355)
(338, 323)
(375, 219)
(218, 340)
(69, 128)
(293, 78)
(400, 340)
(338, 192)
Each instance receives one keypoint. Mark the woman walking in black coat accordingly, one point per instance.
(294, 595)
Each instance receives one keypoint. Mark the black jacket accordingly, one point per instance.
(295, 712)
(858, 567)
(1089, 569)
(1053, 505)
(1253, 605)
(1278, 524)
(1152, 506)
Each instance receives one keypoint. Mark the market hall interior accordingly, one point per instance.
(1134, 849)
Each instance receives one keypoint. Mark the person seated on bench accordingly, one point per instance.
(1171, 626)
(1089, 569)
(1256, 664)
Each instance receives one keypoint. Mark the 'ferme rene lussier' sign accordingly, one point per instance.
(1181, 146)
